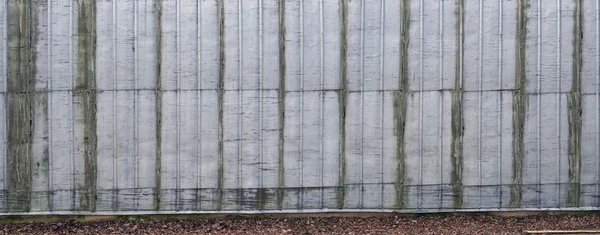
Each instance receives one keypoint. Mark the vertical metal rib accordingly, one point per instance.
(72, 94)
(500, 113)
(115, 203)
(558, 96)
(198, 205)
(421, 67)
(240, 105)
(301, 194)
(5, 63)
(480, 147)
(260, 100)
(539, 103)
(136, 177)
(381, 106)
(322, 103)
(441, 100)
(178, 107)
(598, 101)
(50, 111)
(362, 103)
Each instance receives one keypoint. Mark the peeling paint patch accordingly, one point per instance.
(22, 22)
(281, 104)
(343, 100)
(519, 105)
(221, 92)
(575, 122)
(400, 98)
(86, 94)
(158, 104)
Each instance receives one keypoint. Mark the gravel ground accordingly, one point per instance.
(428, 224)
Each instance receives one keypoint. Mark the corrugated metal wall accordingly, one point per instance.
(266, 106)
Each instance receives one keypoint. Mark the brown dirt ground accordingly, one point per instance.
(312, 224)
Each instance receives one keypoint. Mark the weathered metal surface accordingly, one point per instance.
(165, 106)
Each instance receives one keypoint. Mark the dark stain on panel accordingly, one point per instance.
(221, 92)
(574, 107)
(457, 116)
(158, 105)
(85, 92)
(343, 100)
(22, 38)
(519, 105)
(281, 104)
(400, 98)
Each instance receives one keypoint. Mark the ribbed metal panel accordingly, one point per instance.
(258, 106)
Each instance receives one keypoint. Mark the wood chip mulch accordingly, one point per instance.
(424, 224)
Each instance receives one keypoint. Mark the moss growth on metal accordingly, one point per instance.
(342, 101)
(281, 105)
(158, 105)
(457, 127)
(574, 106)
(519, 105)
(221, 92)
(85, 92)
(22, 38)
(400, 98)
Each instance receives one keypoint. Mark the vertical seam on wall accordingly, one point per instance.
(441, 100)
(72, 111)
(240, 107)
(301, 107)
(362, 104)
(158, 104)
(519, 104)
(559, 96)
(539, 105)
(480, 105)
(322, 103)
(281, 104)
(198, 196)
(342, 99)
(6, 102)
(400, 102)
(457, 122)
(575, 122)
(178, 105)
(221, 14)
(500, 108)
(597, 100)
(136, 177)
(50, 196)
(381, 105)
(115, 189)
(260, 197)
